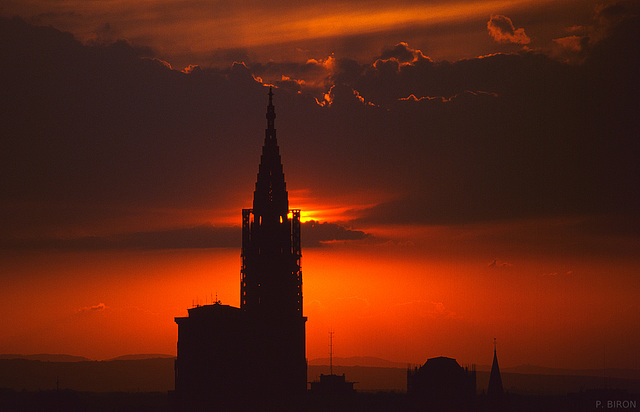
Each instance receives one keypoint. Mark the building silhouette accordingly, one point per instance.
(332, 385)
(252, 356)
(331, 389)
(441, 384)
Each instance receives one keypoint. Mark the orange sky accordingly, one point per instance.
(473, 166)
(205, 31)
(396, 301)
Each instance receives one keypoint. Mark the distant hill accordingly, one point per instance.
(368, 361)
(46, 357)
(145, 375)
(542, 370)
(602, 373)
(155, 373)
(140, 357)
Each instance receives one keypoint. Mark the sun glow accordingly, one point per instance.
(328, 214)
(337, 209)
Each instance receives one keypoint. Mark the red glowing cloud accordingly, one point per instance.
(503, 31)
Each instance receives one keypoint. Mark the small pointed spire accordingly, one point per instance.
(271, 115)
(495, 380)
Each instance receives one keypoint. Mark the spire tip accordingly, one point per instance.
(271, 114)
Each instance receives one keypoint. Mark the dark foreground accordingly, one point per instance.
(68, 400)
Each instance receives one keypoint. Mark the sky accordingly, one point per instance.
(466, 171)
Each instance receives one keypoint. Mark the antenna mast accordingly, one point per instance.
(331, 352)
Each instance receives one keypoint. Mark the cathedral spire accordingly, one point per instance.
(271, 116)
(271, 277)
(270, 199)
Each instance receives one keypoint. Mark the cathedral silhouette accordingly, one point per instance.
(252, 356)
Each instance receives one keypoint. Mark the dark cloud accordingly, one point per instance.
(315, 233)
(226, 57)
(104, 131)
(610, 18)
(402, 53)
(206, 236)
(100, 125)
(611, 13)
(200, 237)
(502, 30)
(498, 264)
(571, 48)
(95, 308)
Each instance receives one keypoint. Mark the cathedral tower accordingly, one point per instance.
(271, 283)
(271, 279)
(252, 357)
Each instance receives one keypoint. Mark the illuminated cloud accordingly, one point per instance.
(402, 53)
(495, 263)
(215, 33)
(557, 274)
(503, 31)
(95, 308)
(314, 74)
(429, 309)
(572, 43)
(127, 137)
(315, 233)
(191, 68)
(571, 49)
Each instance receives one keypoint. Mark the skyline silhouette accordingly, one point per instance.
(459, 179)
